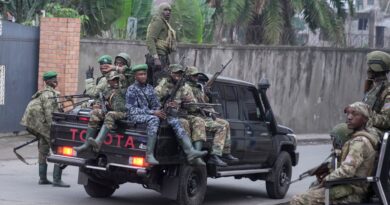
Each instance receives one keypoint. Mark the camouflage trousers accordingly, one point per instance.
(43, 145)
(97, 117)
(338, 195)
(152, 122)
(177, 127)
(195, 127)
(220, 133)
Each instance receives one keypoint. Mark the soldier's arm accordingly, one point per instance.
(353, 161)
(153, 31)
(48, 106)
(93, 90)
(382, 120)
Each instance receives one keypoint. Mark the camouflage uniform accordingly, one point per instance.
(378, 96)
(127, 77)
(93, 89)
(160, 41)
(38, 117)
(193, 125)
(357, 160)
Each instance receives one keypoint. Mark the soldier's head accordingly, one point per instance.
(122, 59)
(378, 65)
(140, 73)
(340, 134)
(193, 74)
(113, 79)
(358, 114)
(50, 78)
(164, 9)
(105, 62)
(176, 72)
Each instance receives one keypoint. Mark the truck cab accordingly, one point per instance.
(266, 150)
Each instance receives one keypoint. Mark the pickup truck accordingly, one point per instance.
(266, 150)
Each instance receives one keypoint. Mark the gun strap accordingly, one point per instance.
(147, 99)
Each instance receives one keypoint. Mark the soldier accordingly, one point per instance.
(194, 123)
(160, 41)
(377, 89)
(144, 107)
(123, 66)
(93, 89)
(37, 119)
(357, 160)
(221, 142)
(115, 97)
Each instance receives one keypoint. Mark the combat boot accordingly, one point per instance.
(150, 150)
(189, 150)
(97, 143)
(91, 133)
(57, 174)
(229, 157)
(214, 159)
(43, 175)
(198, 146)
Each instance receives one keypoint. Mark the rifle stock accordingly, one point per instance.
(102, 102)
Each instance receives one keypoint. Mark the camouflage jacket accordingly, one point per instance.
(166, 85)
(357, 158)
(93, 89)
(141, 100)
(381, 107)
(38, 114)
(116, 99)
(200, 96)
(158, 40)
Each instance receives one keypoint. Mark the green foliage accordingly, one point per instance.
(188, 21)
(57, 10)
(209, 24)
(142, 11)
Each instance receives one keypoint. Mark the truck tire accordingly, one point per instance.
(278, 185)
(192, 185)
(97, 190)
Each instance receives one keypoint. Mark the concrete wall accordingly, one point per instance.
(309, 86)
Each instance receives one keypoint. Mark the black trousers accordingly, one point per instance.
(156, 73)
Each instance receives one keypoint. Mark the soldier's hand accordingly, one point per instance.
(157, 63)
(173, 104)
(89, 72)
(161, 114)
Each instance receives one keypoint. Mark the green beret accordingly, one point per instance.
(49, 75)
(175, 68)
(139, 67)
(105, 59)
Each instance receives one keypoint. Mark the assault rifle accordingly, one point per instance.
(102, 103)
(203, 108)
(319, 171)
(71, 96)
(210, 83)
(21, 146)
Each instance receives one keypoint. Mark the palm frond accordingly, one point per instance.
(273, 16)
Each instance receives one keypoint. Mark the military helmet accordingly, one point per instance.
(340, 133)
(112, 75)
(174, 68)
(125, 56)
(378, 61)
(192, 70)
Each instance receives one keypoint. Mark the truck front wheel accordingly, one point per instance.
(192, 185)
(97, 190)
(277, 186)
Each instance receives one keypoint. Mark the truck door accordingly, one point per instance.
(257, 132)
(228, 98)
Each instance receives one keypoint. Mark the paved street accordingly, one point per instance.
(19, 183)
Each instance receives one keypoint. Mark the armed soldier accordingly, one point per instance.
(357, 160)
(144, 107)
(123, 66)
(377, 89)
(160, 41)
(93, 89)
(163, 89)
(114, 95)
(221, 142)
(37, 119)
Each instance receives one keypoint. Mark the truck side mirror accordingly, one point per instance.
(264, 84)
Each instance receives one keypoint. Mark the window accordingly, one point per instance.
(370, 2)
(216, 97)
(231, 102)
(359, 4)
(248, 100)
(362, 24)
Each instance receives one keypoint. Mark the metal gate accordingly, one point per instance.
(19, 49)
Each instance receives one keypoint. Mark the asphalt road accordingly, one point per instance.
(18, 183)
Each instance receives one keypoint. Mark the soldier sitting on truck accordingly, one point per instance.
(93, 89)
(144, 107)
(122, 65)
(184, 93)
(221, 143)
(114, 95)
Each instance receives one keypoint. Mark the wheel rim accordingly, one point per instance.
(284, 177)
(193, 184)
